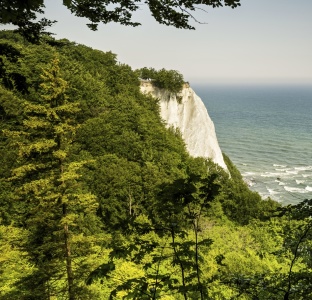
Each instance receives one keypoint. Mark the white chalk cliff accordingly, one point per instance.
(187, 112)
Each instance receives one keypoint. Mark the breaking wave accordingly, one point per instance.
(295, 190)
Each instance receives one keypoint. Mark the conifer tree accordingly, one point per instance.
(56, 205)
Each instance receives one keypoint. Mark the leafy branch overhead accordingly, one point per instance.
(176, 13)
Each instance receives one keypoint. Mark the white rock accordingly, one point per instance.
(187, 112)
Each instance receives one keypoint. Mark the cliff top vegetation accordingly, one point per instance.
(170, 80)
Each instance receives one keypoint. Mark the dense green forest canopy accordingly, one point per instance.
(99, 200)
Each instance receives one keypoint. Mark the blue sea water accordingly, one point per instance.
(267, 132)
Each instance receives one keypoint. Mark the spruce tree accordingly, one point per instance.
(56, 205)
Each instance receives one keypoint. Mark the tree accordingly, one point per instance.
(23, 14)
(298, 242)
(168, 241)
(170, 80)
(56, 205)
(171, 13)
(292, 279)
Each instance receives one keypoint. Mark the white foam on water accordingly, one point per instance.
(273, 174)
(306, 175)
(306, 168)
(282, 183)
(250, 183)
(300, 181)
(248, 173)
(281, 173)
(281, 166)
(272, 192)
(295, 190)
(292, 172)
(309, 188)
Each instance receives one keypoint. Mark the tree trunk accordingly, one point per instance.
(70, 274)
(181, 265)
(195, 226)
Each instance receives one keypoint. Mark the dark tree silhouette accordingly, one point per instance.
(172, 13)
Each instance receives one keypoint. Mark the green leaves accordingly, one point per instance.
(169, 80)
(49, 186)
(171, 13)
(86, 160)
(101, 272)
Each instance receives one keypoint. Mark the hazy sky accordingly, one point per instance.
(261, 41)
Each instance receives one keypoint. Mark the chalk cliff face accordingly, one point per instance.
(187, 112)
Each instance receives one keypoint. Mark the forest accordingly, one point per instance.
(99, 200)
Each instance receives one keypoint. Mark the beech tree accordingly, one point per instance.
(170, 80)
(172, 13)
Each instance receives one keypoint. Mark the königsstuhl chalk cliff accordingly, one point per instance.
(187, 112)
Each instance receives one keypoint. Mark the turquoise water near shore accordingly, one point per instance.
(267, 133)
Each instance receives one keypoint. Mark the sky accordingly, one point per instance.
(263, 41)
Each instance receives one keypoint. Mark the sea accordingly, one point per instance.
(267, 133)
